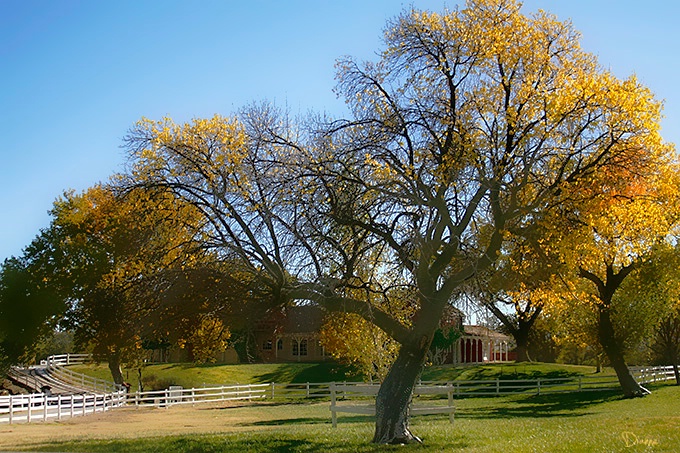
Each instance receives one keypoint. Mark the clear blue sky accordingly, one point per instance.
(76, 75)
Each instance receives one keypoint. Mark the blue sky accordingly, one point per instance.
(76, 75)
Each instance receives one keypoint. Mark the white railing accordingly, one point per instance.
(646, 375)
(82, 381)
(66, 359)
(467, 388)
(179, 395)
(40, 407)
(366, 393)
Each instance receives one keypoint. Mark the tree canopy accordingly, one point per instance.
(470, 127)
(482, 146)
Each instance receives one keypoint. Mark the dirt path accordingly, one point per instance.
(130, 422)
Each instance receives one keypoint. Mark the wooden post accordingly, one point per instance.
(334, 416)
(450, 395)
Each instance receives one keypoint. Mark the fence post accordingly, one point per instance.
(498, 386)
(334, 415)
(307, 390)
(11, 408)
(273, 386)
(449, 387)
(580, 384)
(538, 386)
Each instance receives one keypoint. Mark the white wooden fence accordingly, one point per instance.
(179, 395)
(79, 380)
(66, 359)
(362, 400)
(646, 375)
(40, 407)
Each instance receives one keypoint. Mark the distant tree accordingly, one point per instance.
(666, 342)
(29, 307)
(469, 127)
(617, 236)
(130, 270)
(516, 289)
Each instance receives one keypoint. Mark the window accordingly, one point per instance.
(267, 345)
(299, 347)
(279, 345)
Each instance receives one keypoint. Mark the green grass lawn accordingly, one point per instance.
(188, 375)
(160, 376)
(599, 421)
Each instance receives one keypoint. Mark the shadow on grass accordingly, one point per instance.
(298, 421)
(311, 372)
(247, 442)
(516, 373)
(543, 406)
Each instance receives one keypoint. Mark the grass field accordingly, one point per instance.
(572, 422)
(156, 377)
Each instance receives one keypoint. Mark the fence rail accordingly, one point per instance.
(646, 375)
(82, 381)
(179, 395)
(40, 407)
(66, 359)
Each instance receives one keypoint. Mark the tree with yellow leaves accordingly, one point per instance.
(469, 128)
(125, 265)
(614, 230)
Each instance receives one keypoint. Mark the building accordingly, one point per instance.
(480, 344)
(292, 335)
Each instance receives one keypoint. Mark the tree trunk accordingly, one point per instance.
(394, 397)
(521, 337)
(114, 367)
(614, 350)
(676, 372)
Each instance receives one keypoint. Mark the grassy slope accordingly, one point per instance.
(575, 422)
(189, 375)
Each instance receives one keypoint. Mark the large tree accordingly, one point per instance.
(466, 130)
(615, 231)
(130, 269)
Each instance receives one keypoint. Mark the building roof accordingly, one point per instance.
(302, 319)
(483, 331)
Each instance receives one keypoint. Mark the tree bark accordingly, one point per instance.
(676, 372)
(611, 344)
(394, 397)
(114, 367)
(521, 337)
(614, 350)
